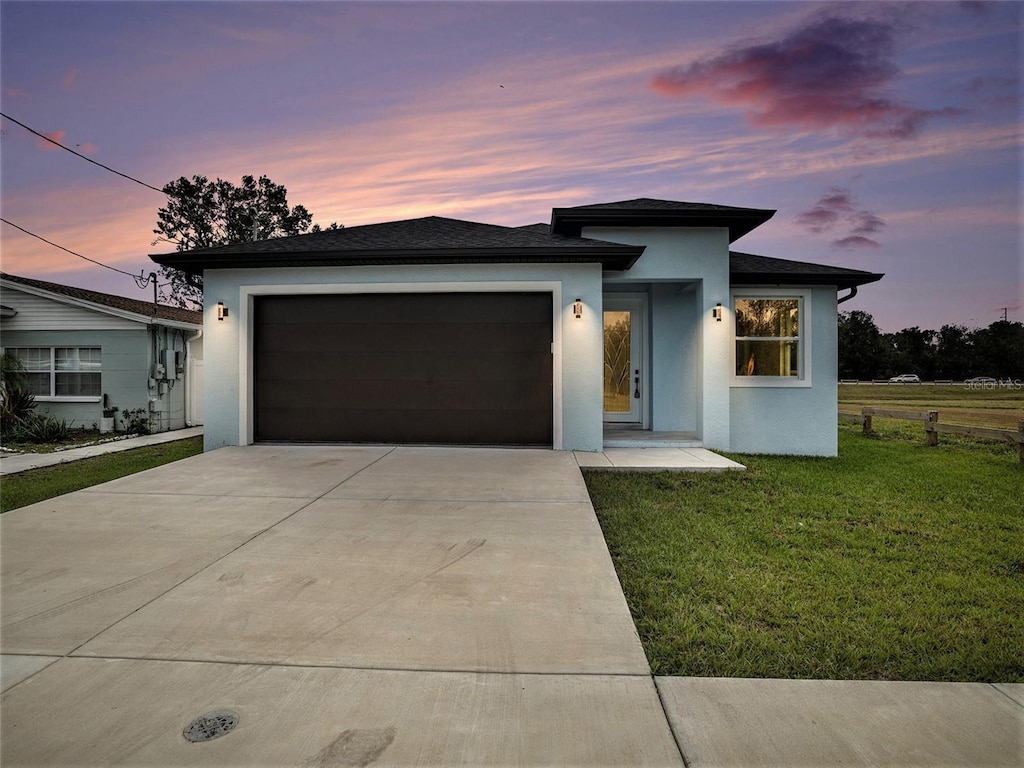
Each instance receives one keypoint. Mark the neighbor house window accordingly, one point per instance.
(770, 344)
(60, 372)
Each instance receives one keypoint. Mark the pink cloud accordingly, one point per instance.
(57, 136)
(867, 223)
(69, 78)
(11, 92)
(835, 206)
(830, 73)
(827, 212)
(856, 241)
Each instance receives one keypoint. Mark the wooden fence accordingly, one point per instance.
(933, 427)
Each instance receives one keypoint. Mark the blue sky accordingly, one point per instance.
(887, 135)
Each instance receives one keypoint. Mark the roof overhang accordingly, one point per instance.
(739, 221)
(612, 257)
(747, 269)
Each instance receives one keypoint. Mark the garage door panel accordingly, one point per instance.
(396, 368)
(391, 366)
(480, 427)
(408, 396)
(368, 337)
(457, 308)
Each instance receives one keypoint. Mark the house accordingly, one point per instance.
(87, 352)
(617, 323)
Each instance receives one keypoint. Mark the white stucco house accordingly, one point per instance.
(615, 324)
(86, 353)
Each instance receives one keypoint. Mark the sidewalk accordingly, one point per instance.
(19, 462)
(734, 722)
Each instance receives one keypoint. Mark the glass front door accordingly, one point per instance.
(623, 349)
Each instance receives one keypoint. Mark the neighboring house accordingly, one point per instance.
(619, 323)
(86, 351)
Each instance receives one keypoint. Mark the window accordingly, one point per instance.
(770, 344)
(61, 372)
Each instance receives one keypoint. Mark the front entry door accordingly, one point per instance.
(624, 375)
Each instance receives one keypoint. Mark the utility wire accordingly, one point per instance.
(78, 154)
(141, 280)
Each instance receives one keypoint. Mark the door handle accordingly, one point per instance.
(636, 381)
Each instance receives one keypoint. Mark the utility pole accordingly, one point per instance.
(1004, 313)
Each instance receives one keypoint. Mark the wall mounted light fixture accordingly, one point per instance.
(577, 309)
(222, 311)
(717, 312)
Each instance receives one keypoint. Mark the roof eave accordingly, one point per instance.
(739, 222)
(775, 278)
(612, 257)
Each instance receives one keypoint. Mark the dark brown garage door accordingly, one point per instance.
(458, 368)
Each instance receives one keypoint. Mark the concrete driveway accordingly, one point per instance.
(413, 606)
(351, 605)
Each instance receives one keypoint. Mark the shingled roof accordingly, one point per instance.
(429, 240)
(110, 301)
(439, 240)
(649, 212)
(749, 269)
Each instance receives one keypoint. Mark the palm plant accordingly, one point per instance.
(16, 402)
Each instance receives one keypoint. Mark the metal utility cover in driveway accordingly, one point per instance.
(452, 368)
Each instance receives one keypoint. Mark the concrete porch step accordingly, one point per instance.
(656, 458)
(632, 436)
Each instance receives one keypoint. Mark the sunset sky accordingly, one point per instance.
(887, 136)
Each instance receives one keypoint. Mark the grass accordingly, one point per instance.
(956, 404)
(893, 561)
(35, 485)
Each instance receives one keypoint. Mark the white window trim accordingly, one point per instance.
(803, 296)
(68, 398)
(53, 372)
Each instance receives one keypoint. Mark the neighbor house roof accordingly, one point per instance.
(430, 240)
(649, 212)
(145, 309)
(749, 269)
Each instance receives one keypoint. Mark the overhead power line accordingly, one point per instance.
(78, 154)
(141, 279)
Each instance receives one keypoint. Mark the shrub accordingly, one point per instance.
(40, 429)
(16, 402)
(135, 421)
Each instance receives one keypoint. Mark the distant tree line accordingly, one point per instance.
(952, 352)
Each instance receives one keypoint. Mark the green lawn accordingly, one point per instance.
(40, 484)
(1000, 408)
(893, 561)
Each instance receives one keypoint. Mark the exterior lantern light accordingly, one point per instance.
(717, 312)
(222, 311)
(577, 309)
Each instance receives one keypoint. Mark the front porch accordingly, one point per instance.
(656, 458)
(634, 436)
(630, 447)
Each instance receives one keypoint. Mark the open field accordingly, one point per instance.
(894, 561)
(956, 404)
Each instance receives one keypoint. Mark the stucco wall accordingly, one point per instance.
(578, 342)
(688, 273)
(795, 420)
(675, 344)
